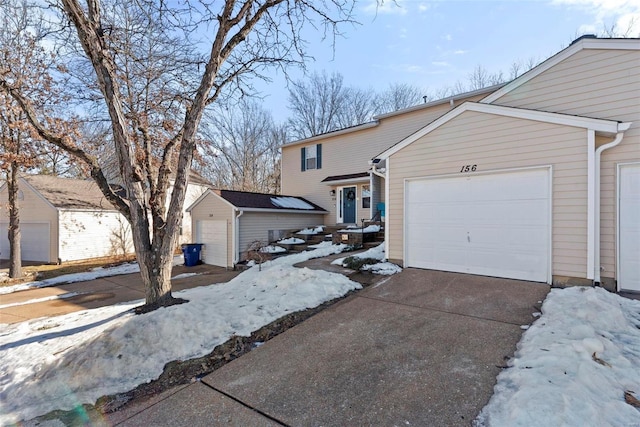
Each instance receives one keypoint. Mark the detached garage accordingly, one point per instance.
(508, 192)
(64, 220)
(227, 222)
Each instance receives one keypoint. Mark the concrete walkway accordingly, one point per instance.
(23, 305)
(421, 348)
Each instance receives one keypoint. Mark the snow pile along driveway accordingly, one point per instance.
(65, 361)
(573, 365)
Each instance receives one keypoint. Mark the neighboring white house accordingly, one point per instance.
(64, 219)
(227, 222)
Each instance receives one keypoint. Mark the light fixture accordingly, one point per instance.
(332, 193)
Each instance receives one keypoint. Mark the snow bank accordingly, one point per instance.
(96, 273)
(61, 362)
(290, 241)
(370, 229)
(573, 365)
(271, 249)
(311, 231)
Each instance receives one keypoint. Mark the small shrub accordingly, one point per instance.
(355, 263)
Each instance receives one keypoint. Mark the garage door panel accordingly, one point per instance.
(495, 224)
(214, 236)
(35, 241)
(629, 228)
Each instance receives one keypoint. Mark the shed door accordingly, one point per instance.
(629, 228)
(214, 236)
(35, 242)
(494, 224)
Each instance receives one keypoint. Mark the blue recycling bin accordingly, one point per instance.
(191, 253)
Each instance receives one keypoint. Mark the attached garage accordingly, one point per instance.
(629, 227)
(490, 224)
(505, 192)
(228, 222)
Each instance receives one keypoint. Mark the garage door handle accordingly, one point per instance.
(468, 238)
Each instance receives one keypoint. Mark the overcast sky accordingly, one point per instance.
(433, 44)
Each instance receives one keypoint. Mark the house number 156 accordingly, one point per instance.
(469, 168)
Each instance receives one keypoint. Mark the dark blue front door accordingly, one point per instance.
(349, 205)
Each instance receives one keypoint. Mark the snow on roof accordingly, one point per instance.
(290, 203)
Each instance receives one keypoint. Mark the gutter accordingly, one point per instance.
(622, 127)
(236, 237)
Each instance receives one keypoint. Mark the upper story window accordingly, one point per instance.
(311, 157)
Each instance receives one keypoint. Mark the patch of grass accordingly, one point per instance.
(356, 263)
(47, 271)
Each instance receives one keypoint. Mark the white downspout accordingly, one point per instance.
(621, 128)
(236, 237)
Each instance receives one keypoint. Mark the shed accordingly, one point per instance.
(227, 222)
(64, 219)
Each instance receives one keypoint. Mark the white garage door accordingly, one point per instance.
(629, 228)
(494, 224)
(214, 236)
(34, 242)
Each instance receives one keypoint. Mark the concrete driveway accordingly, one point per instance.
(421, 348)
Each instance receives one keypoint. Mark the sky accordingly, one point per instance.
(434, 44)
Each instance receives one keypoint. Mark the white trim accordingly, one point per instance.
(387, 221)
(340, 204)
(598, 125)
(548, 168)
(339, 182)
(591, 204)
(294, 211)
(331, 134)
(588, 43)
(619, 166)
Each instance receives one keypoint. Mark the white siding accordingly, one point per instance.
(86, 235)
(497, 143)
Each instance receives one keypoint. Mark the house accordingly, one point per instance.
(333, 171)
(537, 180)
(64, 219)
(227, 222)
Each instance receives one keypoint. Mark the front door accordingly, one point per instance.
(349, 205)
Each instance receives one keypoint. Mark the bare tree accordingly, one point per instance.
(242, 148)
(399, 96)
(21, 149)
(245, 37)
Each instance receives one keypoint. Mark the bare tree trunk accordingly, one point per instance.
(15, 252)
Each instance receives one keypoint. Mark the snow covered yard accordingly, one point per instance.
(573, 365)
(61, 362)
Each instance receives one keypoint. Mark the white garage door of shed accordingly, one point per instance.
(491, 224)
(214, 236)
(629, 228)
(34, 243)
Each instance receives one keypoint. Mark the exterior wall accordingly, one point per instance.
(193, 192)
(350, 153)
(594, 83)
(32, 209)
(492, 143)
(256, 225)
(87, 234)
(216, 209)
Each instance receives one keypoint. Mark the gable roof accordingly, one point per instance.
(376, 119)
(68, 193)
(582, 43)
(598, 125)
(249, 201)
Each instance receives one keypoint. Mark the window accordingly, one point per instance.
(366, 196)
(311, 157)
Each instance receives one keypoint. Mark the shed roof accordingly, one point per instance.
(278, 202)
(68, 193)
